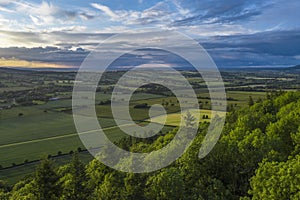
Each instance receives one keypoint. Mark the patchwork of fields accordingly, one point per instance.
(31, 132)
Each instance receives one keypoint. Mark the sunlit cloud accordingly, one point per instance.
(3, 9)
(29, 64)
(106, 10)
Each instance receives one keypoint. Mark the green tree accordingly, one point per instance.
(24, 190)
(277, 180)
(111, 188)
(168, 184)
(250, 101)
(4, 191)
(96, 172)
(134, 186)
(46, 181)
(73, 181)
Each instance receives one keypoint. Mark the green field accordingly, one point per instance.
(45, 129)
(139, 114)
(41, 133)
(37, 132)
(31, 132)
(33, 149)
(35, 123)
(14, 174)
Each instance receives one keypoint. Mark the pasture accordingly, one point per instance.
(53, 130)
(30, 132)
(43, 130)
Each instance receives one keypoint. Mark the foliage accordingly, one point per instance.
(277, 180)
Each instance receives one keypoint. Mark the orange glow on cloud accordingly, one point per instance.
(29, 64)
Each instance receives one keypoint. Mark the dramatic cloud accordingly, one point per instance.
(265, 48)
(236, 33)
(46, 13)
(46, 55)
(65, 37)
(184, 13)
(106, 10)
(148, 16)
(3, 9)
(231, 11)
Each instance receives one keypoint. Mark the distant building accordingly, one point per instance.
(54, 99)
(5, 107)
(14, 102)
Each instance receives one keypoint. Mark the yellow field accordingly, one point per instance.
(175, 118)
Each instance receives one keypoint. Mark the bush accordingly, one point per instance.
(144, 105)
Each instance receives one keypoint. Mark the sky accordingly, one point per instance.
(61, 33)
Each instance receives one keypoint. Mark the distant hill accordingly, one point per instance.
(48, 69)
(290, 69)
(297, 67)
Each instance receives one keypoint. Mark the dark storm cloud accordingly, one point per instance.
(271, 48)
(260, 49)
(48, 54)
(265, 48)
(230, 11)
(150, 56)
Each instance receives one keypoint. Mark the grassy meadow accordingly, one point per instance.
(29, 132)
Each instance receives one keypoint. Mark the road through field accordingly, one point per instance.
(59, 137)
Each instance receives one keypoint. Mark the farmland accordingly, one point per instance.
(36, 113)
